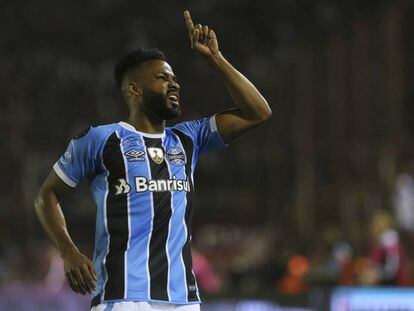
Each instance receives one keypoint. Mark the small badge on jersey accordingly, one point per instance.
(135, 155)
(156, 154)
(176, 156)
(66, 157)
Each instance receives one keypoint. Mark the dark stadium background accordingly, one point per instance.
(339, 76)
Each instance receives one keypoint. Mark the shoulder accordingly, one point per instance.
(95, 133)
(193, 127)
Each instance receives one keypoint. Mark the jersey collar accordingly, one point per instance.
(129, 127)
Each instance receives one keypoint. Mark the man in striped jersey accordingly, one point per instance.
(141, 178)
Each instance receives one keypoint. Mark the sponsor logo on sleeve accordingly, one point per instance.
(176, 156)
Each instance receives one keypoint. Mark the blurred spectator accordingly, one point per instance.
(403, 202)
(331, 259)
(387, 253)
(365, 271)
(207, 278)
(293, 282)
(341, 263)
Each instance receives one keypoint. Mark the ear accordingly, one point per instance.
(134, 89)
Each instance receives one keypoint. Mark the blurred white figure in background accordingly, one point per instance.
(403, 202)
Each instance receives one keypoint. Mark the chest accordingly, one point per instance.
(153, 157)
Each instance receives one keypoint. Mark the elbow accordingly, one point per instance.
(265, 115)
(38, 201)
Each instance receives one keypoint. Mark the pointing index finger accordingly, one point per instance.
(188, 21)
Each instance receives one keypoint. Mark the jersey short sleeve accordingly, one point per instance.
(204, 134)
(80, 160)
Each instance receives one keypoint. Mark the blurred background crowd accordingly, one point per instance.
(322, 195)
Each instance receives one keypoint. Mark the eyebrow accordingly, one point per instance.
(168, 74)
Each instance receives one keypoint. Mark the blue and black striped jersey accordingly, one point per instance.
(143, 187)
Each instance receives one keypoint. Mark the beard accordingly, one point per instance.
(156, 104)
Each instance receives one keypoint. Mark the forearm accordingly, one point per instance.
(246, 97)
(53, 221)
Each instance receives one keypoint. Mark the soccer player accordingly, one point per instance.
(141, 178)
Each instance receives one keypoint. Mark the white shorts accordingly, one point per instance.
(144, 306)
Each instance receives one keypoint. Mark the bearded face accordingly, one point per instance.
(163, 105)
(160, 91)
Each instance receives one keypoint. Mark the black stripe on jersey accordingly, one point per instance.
(117, 219)
(187, 143)
(95, 301)
(158, 261)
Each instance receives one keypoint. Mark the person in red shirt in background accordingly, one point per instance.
(387, 253)
(207, 278)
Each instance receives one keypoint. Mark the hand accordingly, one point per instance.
(79, 272)
(203, 40)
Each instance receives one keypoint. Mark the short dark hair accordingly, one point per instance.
(134, 59)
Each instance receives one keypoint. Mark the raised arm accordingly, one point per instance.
(251, 109)
(79, 269)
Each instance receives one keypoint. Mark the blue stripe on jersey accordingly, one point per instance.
(141, 227)
(177, 285)
(99, 189)
(188, 146)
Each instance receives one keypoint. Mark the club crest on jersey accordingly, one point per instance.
(176, 156)
(135, 155)
(156, 154)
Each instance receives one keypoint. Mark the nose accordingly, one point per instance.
(174, 85)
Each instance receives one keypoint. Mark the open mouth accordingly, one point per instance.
(173, 98)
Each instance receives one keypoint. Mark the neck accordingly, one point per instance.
(145, 123)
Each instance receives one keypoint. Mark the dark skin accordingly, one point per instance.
(79, 270)
(151, 92)
(250, 110)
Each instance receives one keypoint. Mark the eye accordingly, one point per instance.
(162, 77)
